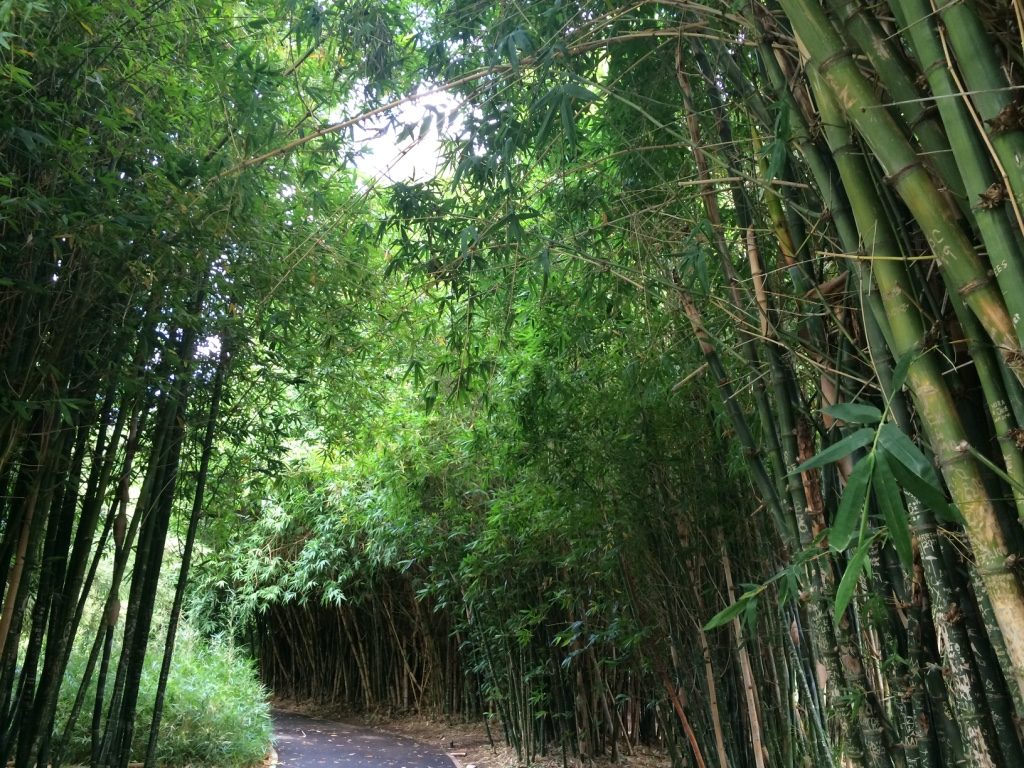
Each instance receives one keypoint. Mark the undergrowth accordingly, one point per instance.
(216, 712)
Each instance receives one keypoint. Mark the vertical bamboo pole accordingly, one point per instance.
(746, 673)
(984, 188)
(959, 263)
(940, 418)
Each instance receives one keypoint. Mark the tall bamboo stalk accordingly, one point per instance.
(940, 419)
(990, 208)
(186, 555)
(959, 264)
(987, 88)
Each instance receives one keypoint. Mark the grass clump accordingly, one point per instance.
(216, 712)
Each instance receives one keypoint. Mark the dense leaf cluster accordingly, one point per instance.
(517, 547)
(485, 441)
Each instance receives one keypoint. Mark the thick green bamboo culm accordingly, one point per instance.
(960, 265)
(993, 213)
(998, 406)
(986, 86)
(863, 30)
(942, 423)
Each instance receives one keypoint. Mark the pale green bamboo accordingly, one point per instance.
(863, 28)
(986, 82)
(1001, 238)
(941, 421)
(990, 221)
(996, 398)
(960, 266)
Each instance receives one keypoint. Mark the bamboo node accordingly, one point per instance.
(835, 58)
(894, 178)
(972, 285)
(922, 79)
(959, 452)
(992, 197)
(999, 567)
(1017, 435)
(847, 149)
(1010, 118)
(929, 112)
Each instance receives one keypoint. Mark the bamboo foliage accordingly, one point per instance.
(913, 196)
(851, 276)
(120, 276)
(780, 239)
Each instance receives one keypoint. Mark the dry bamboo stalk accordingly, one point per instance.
(757, 277)
(716, 718)
(746, 673)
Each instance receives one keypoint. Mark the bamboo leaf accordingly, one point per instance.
(902, 448)
(750, 615)
(887, 492)
(546, 123)
(509, 45)
(726, 615)
(848, 584)
(1017, 487)
(729, 613)
(928, 493)
(568, 124)
(425, 126)
(899, 374)
(852, 505)
(579, 92)
(838, 450)
(854, 413)
(405, 133)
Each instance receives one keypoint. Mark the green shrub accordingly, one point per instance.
(215, 711)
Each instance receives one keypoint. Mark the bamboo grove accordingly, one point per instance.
(683, 407)
(130, 291)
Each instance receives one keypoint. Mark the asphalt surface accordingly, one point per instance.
(304, 742)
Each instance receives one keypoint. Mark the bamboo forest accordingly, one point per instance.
(621, 374)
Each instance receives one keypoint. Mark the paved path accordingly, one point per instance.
(306, 742)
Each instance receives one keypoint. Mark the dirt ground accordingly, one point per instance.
(470, 745)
